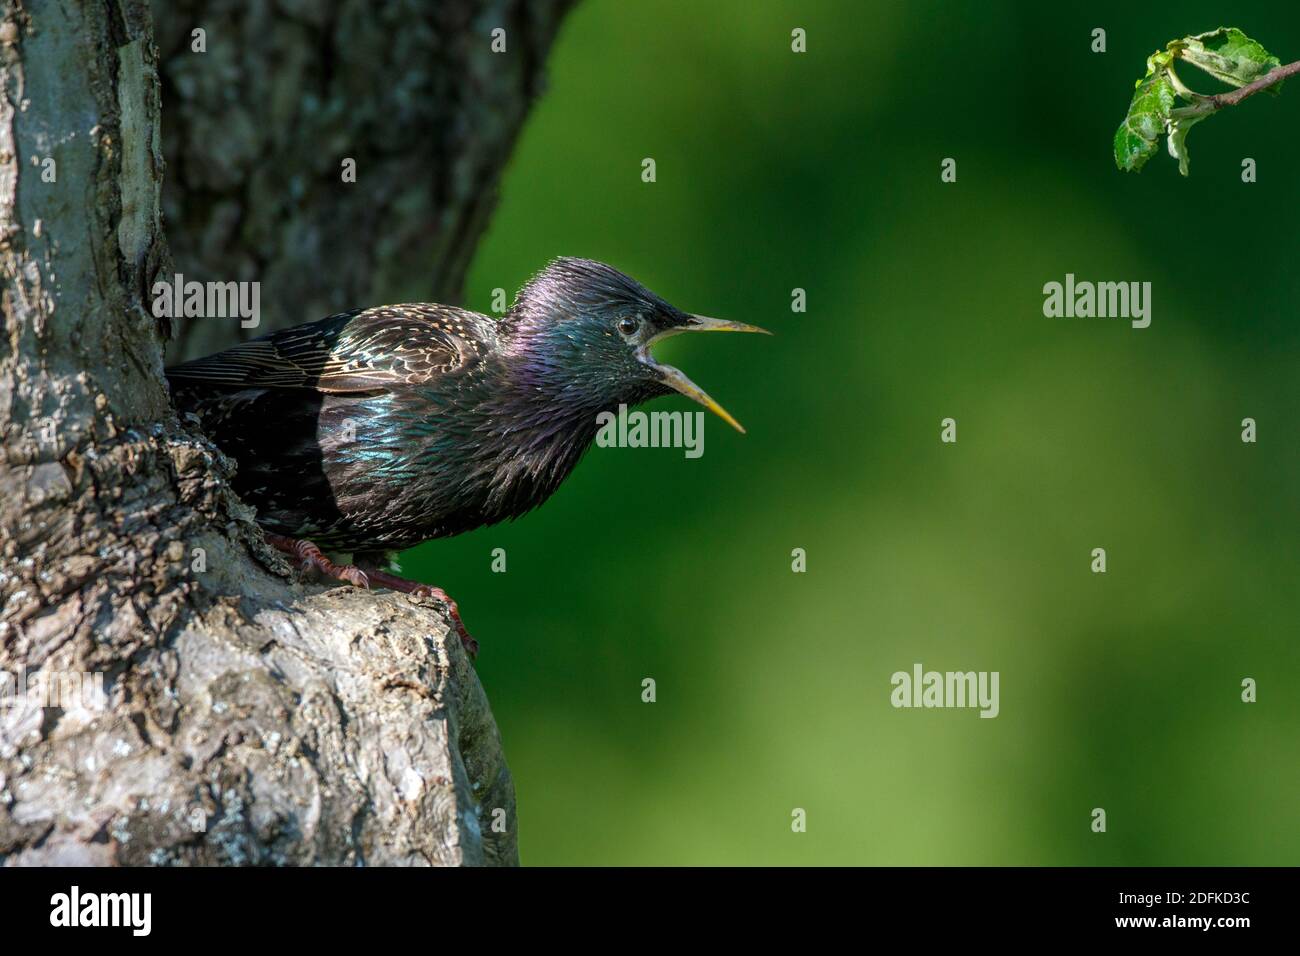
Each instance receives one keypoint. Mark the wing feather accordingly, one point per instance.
(360, 351)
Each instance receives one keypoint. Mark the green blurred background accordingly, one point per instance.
(821, 171)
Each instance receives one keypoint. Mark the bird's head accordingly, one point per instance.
(585, 330)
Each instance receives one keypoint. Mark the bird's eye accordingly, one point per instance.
(628, 326)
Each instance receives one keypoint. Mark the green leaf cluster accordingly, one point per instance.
(1226, 54)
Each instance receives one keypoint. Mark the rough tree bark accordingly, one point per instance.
(255, 131)
(244, 718)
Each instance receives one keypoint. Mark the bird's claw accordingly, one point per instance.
(354, 575)
(311, 558)
(453, 612)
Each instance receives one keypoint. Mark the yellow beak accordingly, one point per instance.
(677, 380)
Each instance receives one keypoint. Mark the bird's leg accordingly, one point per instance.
(385, 580)
(311, 557)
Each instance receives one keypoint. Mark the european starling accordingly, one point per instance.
(371, 431)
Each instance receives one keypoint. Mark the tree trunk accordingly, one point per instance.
(185, 702)
(256, 131)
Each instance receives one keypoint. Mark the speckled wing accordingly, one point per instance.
(366, 350)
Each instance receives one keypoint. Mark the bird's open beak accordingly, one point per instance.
(677, 380)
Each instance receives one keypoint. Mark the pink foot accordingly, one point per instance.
(311, 557)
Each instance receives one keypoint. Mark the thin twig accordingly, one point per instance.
(1274, 76)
